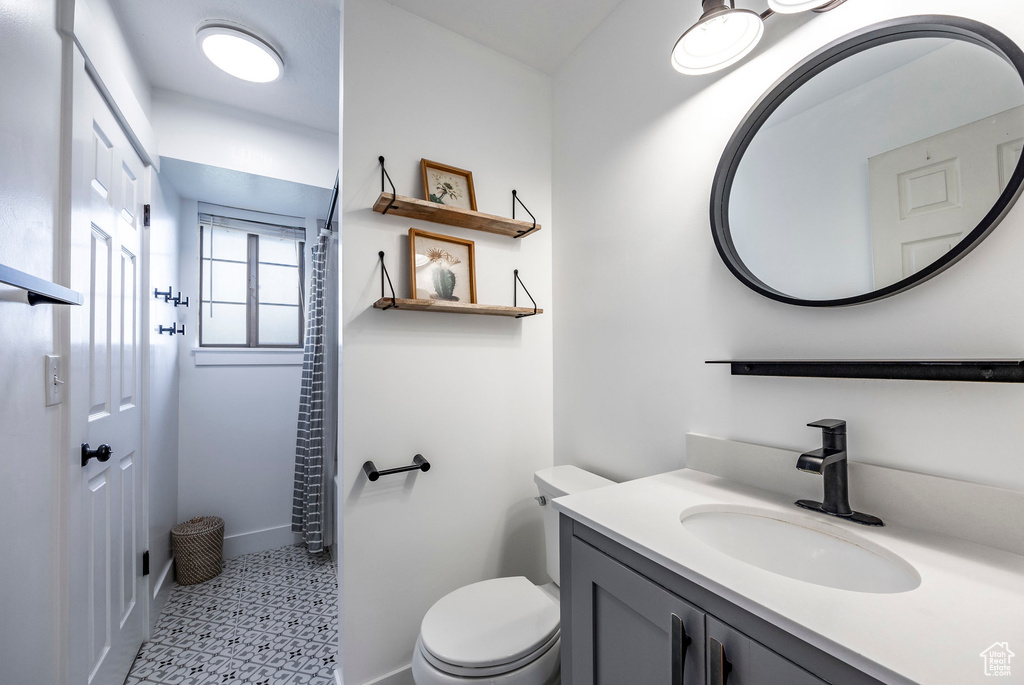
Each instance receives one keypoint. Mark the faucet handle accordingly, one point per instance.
(829, 425)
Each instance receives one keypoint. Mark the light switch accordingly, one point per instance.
(54, 384)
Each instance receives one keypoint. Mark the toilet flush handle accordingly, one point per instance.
(542, 500)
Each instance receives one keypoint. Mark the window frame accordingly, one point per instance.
(252, 302)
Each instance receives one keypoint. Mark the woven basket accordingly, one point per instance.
(198, 549)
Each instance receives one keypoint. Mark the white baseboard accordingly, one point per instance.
(337, 676)
(161, 586)
(259, 541)
(161, 592)
(401, 676)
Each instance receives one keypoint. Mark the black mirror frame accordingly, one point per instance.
(930, 26)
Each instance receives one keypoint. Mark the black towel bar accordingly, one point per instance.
(418, 464)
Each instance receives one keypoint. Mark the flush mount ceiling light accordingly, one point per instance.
(724, 35)
(240, 53)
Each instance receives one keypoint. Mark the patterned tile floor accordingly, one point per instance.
(270, 618)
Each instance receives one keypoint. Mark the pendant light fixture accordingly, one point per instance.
(724, 35)
(721, 37)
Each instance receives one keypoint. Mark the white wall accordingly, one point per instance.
(237, 426)
(636, 147)
(162, 378)
(30, 52)
(472, 394)
(207, 133)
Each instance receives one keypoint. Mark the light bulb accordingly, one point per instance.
(718, 40)
(240, 54)
(796, 6)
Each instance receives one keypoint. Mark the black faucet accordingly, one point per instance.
(830, 463)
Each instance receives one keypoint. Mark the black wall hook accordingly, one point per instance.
(172, 330)
(178, 300)
(167, 295)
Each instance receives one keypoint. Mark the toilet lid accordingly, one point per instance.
(490, 623)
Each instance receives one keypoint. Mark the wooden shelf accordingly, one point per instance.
(971, 370)
(453, 216)
(454, 307)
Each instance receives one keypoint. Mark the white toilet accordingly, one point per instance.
(502, 631)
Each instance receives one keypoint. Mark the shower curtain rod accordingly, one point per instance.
(334, 202)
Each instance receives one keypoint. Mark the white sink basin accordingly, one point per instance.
(801, 548)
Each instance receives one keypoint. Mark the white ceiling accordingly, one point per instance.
(306, 33)
(539, 33)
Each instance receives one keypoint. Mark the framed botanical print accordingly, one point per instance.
(448, 185)
(441, 267)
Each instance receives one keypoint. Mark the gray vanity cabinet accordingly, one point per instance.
(735, 659)
(627, 620)
(638, 631)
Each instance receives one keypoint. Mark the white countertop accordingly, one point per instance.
(970, 595)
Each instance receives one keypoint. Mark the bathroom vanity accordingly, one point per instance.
(647, 598)
(624, 614)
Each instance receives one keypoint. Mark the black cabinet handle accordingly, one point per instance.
(101, 453)
(720, 666)
(680, 643)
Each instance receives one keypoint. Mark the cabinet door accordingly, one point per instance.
(628, 630)
(735, 659)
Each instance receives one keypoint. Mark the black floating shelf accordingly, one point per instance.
(39, 291)
(969, 370)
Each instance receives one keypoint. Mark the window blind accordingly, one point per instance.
(295, 233)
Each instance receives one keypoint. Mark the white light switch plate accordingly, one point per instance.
(53, 388)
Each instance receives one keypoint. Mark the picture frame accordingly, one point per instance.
(441, 267)
(448, 185)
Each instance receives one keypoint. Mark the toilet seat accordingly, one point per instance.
(489, 628)
(491, 671)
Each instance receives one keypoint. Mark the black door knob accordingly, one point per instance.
(101, 453)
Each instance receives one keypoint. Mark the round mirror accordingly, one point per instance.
(875, 164)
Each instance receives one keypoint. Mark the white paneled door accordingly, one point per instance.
(926, 196)
(105, 510)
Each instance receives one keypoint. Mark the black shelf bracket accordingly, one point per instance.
(515, 199)
(516, 282)
(384, 174)
(384, 274)
(966, 370)
(39, 291)
(418, 464)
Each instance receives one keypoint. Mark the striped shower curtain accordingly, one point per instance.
(312, 504)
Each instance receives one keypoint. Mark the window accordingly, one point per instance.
(250, 280)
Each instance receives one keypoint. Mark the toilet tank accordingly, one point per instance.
(555, 482)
